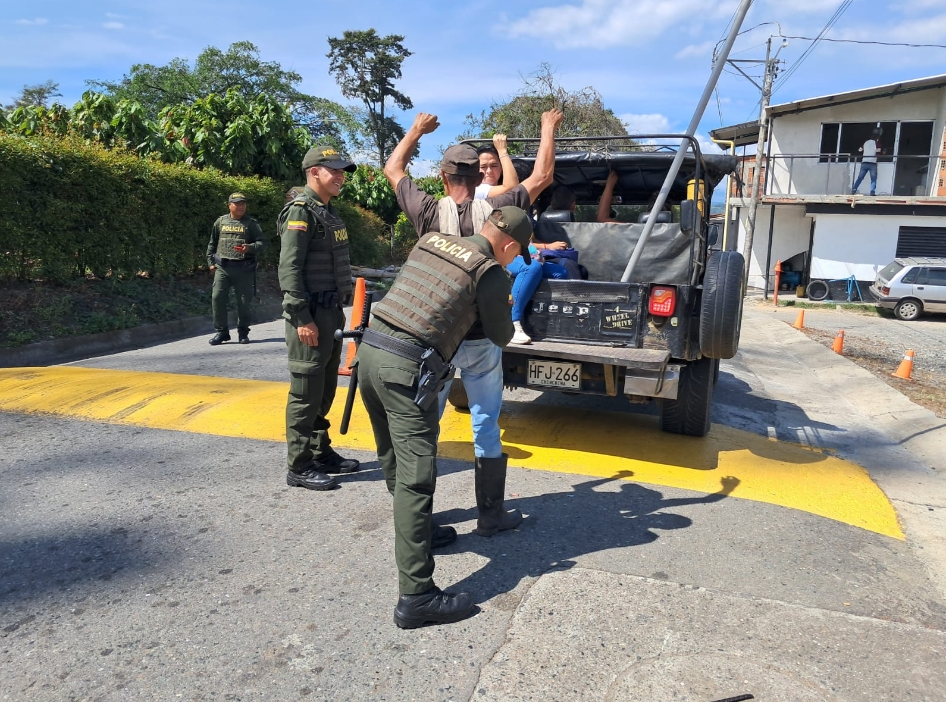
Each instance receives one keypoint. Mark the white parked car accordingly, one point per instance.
(912, 286)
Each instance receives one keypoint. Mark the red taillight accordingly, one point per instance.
(885, 291)
(662, 301)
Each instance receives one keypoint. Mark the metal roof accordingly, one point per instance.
(889, 90)
(748, 132)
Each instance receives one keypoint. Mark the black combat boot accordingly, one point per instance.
(219, 338)
(245, 337)
(490, 482)
(432, 607)
(441, 536)
(311, 479)
(333, 463)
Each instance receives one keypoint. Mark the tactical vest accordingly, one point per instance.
(449, 215)
(434, 296)
(327, 261)
(233, 232)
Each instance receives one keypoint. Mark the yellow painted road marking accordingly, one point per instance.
(603, 444)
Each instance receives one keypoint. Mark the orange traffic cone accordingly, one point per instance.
(838, 345)
(358, 305)
(800, 320)
(905, 370)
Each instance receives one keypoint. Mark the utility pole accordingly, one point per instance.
(758, 183)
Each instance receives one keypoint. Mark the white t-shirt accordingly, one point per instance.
(482, 191)
(870, 151)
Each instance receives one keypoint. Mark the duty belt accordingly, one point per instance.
(398, 347)
(434, 373)
(330, 299)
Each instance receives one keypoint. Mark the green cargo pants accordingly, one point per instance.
(406, 436)
(241, 280)
(313, 372)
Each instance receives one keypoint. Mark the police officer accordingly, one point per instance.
(235, 242)
(446, 285)
(479, 360)
(315, 277)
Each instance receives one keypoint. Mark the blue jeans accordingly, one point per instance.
(527, 279)
(865, 169)
(480, 364)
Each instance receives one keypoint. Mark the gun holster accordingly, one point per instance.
(434, 374)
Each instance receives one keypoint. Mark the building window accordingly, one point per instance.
(841, 141)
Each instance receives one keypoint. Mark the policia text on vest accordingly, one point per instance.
(235, 242)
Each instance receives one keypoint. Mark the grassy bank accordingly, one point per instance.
(35, 311)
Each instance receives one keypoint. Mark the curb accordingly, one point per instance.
(74, 348)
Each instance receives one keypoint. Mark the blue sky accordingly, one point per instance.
(649, 60)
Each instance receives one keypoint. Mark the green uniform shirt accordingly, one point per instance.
(252, 236)
(294, 248)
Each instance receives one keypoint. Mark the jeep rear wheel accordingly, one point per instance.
(721, 308)
(457, 396)
(689, 414)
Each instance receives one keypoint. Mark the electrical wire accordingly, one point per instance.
(811, 47)
(880, 43)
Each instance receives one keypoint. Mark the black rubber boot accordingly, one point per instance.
(219, 338)
(490, 481)
(432, 607)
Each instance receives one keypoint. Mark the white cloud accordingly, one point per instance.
(646, 124)
(113, 25)
(36, 21)
(702, 51)
(423, 167)
(605, 23)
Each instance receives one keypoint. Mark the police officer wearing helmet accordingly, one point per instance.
(315, 278)
(235, 242)
(446, 285)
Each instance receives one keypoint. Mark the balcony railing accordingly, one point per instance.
(834, 174)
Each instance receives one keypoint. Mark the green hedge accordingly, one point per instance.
(68, 209)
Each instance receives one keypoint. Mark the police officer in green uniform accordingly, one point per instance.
(235, 242)
(446, 285)
(315, 278)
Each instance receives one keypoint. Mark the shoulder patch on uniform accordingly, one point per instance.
(298, 225)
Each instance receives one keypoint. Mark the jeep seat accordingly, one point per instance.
(663, 217)
(546, 232)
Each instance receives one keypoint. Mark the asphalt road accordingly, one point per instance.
(144, 563)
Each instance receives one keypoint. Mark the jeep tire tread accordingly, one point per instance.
(721, 307)
(689, 414)
(457, 396)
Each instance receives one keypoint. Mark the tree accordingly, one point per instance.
(584, 110)
(36, 95)
(239, 69)
(365, 67)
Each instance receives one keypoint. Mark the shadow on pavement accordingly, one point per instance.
(41, 566)
(562, 526)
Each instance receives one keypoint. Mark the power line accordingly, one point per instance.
(881, 43)
(811, 47)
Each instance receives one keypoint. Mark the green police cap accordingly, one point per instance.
(515, 222)
(237, 197)
(461, 160)
(327, 155)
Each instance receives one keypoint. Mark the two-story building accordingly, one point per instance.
(807, 216)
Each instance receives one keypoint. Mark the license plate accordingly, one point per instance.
(555, 375)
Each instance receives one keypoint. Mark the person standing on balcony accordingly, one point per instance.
(870, 149)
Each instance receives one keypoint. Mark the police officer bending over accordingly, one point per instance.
(315, 277)
(446, 285)
(235, 242)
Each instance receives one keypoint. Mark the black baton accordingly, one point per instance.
(353, 382)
